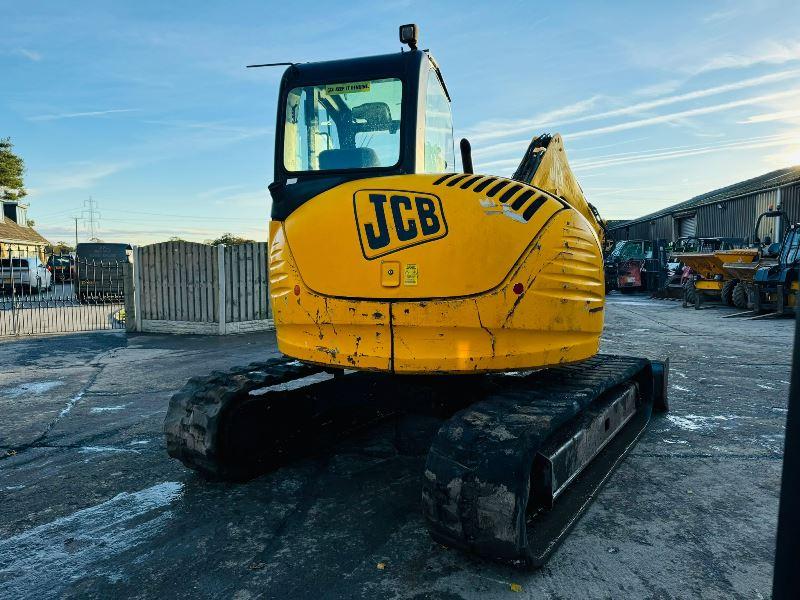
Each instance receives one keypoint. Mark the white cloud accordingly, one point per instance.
(29, 54)
(494, 128)
(765, 52)
(659, 89)
(663, 154)
(218, 191)
(93, 113)
(570, 114)
(683, 114)
(502, 148)
(722, 15)
(780, 115)
(80, 177)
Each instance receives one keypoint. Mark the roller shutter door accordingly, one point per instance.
(687, 226)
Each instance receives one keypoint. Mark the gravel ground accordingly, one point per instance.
(94, 508)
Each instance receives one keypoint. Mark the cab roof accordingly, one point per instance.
(397, 64)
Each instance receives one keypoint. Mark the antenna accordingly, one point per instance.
(284, 64)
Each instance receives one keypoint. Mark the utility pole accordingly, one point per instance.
(76, 231)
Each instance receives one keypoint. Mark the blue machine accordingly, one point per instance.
(776, 286)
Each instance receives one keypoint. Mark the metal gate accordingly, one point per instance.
(44, 292)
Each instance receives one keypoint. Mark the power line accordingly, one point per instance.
(184, 216)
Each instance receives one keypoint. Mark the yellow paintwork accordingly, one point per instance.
(710, 265)
(709, 285)
(555, 175)
(480, 248)
(557, 319)
(318, 329)
(743, 271)
(452, 307)
(737, 255)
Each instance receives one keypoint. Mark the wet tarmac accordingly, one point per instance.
(93, 507)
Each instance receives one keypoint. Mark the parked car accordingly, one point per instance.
(62, 267)
(99, 271)
(28, 274)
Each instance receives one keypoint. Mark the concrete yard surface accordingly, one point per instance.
(93, 507)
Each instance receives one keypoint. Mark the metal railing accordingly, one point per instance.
(44, 292)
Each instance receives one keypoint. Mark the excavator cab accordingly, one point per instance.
(357, 118)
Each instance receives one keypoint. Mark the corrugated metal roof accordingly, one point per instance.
(767, 181)
(12, 232)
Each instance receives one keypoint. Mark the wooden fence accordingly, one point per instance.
(176, 288)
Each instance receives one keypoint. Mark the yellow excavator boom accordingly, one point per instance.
(545, 166)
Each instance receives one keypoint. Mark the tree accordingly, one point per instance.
(59, 248)
(12, 168)
(229, 240)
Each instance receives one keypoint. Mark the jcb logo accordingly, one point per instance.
(390, 220)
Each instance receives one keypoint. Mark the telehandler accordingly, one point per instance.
(400, 284)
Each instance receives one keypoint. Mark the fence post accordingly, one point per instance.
(128, 292)
(221, 283)
(137, 288)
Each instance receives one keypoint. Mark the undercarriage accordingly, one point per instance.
(514, 458)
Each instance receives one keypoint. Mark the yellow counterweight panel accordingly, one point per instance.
(317, 329)
(544, 308)
(479, 234)
(554, 316)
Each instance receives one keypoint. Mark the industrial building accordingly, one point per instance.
(727, 212)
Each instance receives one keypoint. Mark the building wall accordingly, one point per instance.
(736, 219)
(11, 249)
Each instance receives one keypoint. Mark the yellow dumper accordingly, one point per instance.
(709, 276)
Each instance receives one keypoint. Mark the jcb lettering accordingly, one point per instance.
(389, 221)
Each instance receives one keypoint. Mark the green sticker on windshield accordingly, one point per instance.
(347, 88)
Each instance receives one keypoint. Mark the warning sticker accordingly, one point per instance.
(347, 88)
(410, 275)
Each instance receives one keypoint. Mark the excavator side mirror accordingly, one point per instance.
(466, 156)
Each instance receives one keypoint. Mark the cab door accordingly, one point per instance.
(435, 148)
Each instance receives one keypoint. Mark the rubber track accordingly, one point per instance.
(477, 477)
(195, 414)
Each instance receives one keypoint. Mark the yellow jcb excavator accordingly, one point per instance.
(399, 284)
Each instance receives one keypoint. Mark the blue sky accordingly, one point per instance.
(147, 106)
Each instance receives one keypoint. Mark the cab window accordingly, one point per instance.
(439, 154)
(350, 125)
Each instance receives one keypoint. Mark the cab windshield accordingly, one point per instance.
(350, 125)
